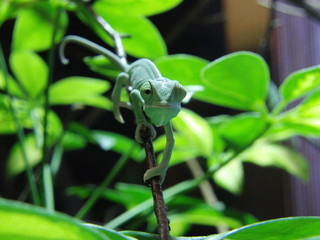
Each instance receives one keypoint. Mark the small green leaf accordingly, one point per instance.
(102, 65)
(231, 176)
(238, 80)
(196, 130)
(30, 70)
(80, 90)
(300, 83)
(304, 118)
(116, 142)
(276, 155)
(24, 222)
(145, 40)
(16, 162)
(202, 215)
(138, 7)
(241, 130)
(72, 141)
(183, 150)
(294, 228)
(13, 88)
(34, 27)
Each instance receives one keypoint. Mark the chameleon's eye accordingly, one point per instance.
(146, 90)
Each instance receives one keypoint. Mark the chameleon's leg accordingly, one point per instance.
(162, 168)
(137, 103)
(122, 80)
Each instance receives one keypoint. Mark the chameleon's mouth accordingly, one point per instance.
(161, 114)
(162, 106)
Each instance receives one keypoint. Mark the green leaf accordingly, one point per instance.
(186, 69)
(13, 88)
(30, 70)
(202, 215)
(116, 142)
(238, 80)
(276, 155)
(137, 7)
(25, 222)
(300, 83)
(295, 228)
(145, 40)
(196, 130)
(34, 27)
(72, 141)
(130, 195)
(16, 162)
(241, 130)
(80, 90)
(304, 118)
(231, 176)
(102, 65)
(111, 234)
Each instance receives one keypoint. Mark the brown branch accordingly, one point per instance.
(159, 204)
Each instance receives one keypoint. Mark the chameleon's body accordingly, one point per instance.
(153, 97)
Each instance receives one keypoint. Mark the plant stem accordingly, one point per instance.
(159, 204)
(30, 175)
(205, 188)
(46, 172)
(105, 183)
(48, 185)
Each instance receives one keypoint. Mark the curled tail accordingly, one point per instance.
(93, 47)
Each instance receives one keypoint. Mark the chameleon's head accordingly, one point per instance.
(162, 100)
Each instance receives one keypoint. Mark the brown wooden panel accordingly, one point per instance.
(246, 24)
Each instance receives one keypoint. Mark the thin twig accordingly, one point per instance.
(159, 204)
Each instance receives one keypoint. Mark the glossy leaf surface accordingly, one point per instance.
(196, 130)
(31, 71)
(269, 154)
(34, 27)
(300, 83)
(80, 90)
(24, 222)
(138, 7)
(239, 80)
(241, 130)
(304, 118)
(296, 228)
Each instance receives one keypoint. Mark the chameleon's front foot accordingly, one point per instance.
(156, 171)
(153, 132)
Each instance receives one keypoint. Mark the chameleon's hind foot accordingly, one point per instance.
(153, 172)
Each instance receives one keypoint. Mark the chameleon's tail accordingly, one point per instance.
(93, 47)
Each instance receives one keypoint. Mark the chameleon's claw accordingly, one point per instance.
(118, 117)
(156, 171)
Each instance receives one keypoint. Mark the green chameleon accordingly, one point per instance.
(153, 97)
